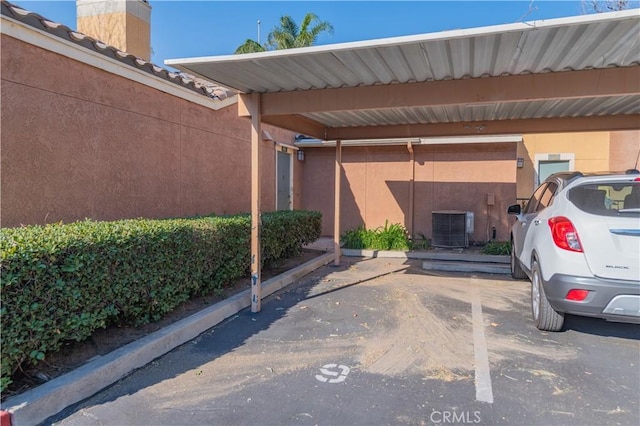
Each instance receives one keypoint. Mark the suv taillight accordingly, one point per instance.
(564, 234)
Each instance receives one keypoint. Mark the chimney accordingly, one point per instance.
(125, 24)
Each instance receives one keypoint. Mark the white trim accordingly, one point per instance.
(546, 156)
(470, 139)
(53, 43)
(287, 146)
(316, 143)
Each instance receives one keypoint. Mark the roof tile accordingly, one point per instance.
(201, 86)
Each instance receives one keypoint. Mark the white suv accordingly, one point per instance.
(578, 241)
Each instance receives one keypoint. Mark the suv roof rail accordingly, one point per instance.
(566, 176)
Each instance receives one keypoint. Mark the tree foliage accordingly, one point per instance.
(288, 35)
(601, 6)
(250, 46)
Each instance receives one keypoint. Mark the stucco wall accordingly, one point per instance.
(123, 24)
(79, 142)
(376, 185)
(590, 151)
(624, 149)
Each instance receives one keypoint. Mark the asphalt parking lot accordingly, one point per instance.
(381, 341)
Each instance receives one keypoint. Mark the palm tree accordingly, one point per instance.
(288, 35)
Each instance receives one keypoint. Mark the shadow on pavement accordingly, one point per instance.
(601, 327)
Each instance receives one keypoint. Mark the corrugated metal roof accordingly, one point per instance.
(474, 64)
(583, 107)
(576, 43)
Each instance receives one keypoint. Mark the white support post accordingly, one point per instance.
(336, 203)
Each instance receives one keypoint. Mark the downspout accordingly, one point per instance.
(411, 189)
(336, 204)
(275, 166)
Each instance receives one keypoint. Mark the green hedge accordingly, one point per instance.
(61, 282)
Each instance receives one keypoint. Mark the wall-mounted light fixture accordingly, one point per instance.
(520, 162)
(300, 155)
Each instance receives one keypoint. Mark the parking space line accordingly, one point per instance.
(484, 391)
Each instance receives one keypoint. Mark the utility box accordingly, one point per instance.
(470, 220)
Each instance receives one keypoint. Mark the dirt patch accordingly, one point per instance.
(74, 354)
(420, 339)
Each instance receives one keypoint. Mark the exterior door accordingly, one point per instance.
(283, 180)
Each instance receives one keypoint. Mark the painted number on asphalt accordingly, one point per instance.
(333, 373)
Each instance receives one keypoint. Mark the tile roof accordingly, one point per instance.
(198, 85)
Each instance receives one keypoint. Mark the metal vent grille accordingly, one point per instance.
(449, 229)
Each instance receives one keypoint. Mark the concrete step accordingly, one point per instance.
(444, 261)
(465, 266)
(429, 255)
(465, 257)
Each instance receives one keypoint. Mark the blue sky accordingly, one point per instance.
(181, 29)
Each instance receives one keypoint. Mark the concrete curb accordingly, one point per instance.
(36, 405)
(453, 266)
(483, 258)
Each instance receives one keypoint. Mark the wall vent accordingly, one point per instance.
(449, 229)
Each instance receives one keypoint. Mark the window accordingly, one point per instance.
(607, 199)
(532, 204)
(547, 168)
(547, 196)
(548, 164)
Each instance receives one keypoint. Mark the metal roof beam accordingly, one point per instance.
(497, 127)
(298, 124)
(477, 91)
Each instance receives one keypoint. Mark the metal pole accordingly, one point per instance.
(258, 31)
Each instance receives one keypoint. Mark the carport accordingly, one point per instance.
(562, 75)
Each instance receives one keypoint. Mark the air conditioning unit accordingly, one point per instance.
(450, 227)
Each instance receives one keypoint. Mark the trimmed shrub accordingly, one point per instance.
(387, 237)
(61, 282)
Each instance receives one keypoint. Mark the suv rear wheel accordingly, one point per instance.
(516, 268)
(544, 316)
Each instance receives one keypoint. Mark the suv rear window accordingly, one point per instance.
(607, 199)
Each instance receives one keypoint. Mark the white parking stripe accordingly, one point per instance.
(484, 391)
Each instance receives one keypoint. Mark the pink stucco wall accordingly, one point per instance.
(624, 149)
(376, 185)
(79, 142)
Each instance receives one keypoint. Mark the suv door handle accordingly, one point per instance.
(536, 222)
